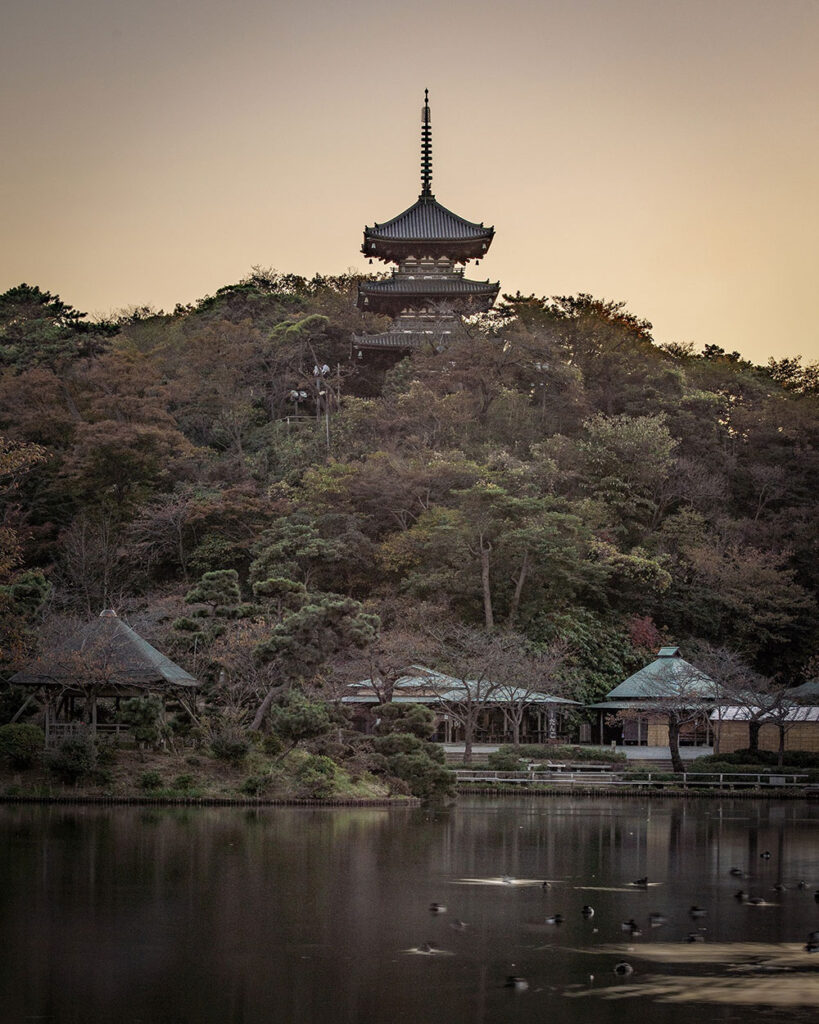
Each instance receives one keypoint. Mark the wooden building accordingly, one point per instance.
(543, 718)
(80, 682)
(797, 728)
(427, 292)
(632, 713)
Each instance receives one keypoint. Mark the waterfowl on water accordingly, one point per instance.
(696, 912)
(779, 887)
(802, 884)
(765, 855)
(437, 908)
(737, 872)
(742, 896)
(517, 983)
(642, 882)
(458, 925)
(587, 911)
(657, 920)
(623, 969)
(812, 945)
(427, 947)
(756, 901)
(555, 919)
(694, 937)
(546, 885)
(632, 928)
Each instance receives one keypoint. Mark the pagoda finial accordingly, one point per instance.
(426, 148)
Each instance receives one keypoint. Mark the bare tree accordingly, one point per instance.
(479, 672)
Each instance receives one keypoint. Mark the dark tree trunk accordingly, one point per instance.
(515, 603)
(674, 745)
(489, 620)
(264, 707)
(781, 758)
(753, 735)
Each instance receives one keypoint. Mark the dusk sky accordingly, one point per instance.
(662, 153)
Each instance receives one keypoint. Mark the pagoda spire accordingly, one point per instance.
(426, 149)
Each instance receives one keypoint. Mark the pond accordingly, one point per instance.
(166, 915)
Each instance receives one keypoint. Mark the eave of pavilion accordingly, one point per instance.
(403, 292)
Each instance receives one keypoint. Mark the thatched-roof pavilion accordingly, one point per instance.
(104, 658)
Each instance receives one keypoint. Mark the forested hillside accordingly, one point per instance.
(556, 472)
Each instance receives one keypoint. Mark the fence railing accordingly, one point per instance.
(585, 775)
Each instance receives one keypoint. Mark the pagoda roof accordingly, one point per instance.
(433, 285)
(427, 219)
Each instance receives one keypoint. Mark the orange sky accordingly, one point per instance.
(663, 153)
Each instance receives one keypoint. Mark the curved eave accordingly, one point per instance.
(392, 301)
(390, 250)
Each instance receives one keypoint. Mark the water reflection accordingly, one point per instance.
(309, 914)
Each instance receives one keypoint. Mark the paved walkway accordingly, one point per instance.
(632, 753)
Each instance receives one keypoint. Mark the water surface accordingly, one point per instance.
(311, 915)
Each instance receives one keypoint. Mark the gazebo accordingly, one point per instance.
(86, 675)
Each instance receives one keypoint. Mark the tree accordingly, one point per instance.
(306, 639)
(218, 589)
(39, 329)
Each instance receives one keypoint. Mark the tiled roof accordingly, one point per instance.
(430, 285)
(427, 219)
(391, 339)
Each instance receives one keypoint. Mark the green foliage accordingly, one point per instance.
(298, 719)
(563, 754)
(142, 715)
(184, 781)
(230, 744)
(415, 719)
(21, 744)
(75, 758)
(754, 760)
(505, 760)
(219, 589)
(316, 777)
(150, 781)
(419, 765)
(305, 639)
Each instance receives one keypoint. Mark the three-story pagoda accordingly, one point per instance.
(427, 292)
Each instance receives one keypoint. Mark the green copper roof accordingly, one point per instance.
(667, 676)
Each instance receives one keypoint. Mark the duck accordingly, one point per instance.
(696, 912)
(516, 982)
(632, 928)
(755, 901)
(742, 896)
(802, 884)
(737, 872)
(779, 887)
(437, 908)
(458, 925)
(427, 947)
(657, 920)
(812, 945)
(694, 937)
(642, 882)
(545, 885)
(765, 855)
(555, 919)
(623, 969)
(587, 911)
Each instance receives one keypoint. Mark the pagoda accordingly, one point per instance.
(427, 292)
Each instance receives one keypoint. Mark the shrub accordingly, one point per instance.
(412, 718)
(142, 715)
(20, 743)
(184, 782)
(150, 780)
(316, 777)
(419, 765)
(230, 745)
(505, 761)
(74, 758)
(254, 785)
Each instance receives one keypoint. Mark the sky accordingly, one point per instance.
(655, 152)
